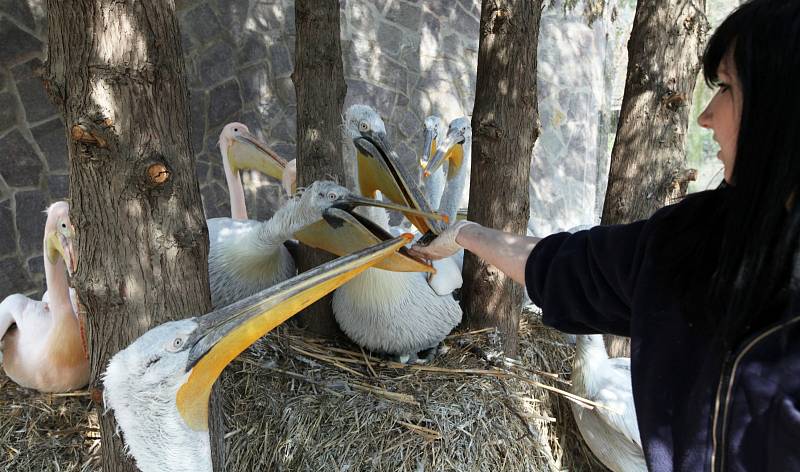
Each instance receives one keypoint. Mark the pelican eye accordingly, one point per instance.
(332, 196)
(363, 126)
(177, 344)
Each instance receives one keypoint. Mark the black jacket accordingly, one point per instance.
(699, 407)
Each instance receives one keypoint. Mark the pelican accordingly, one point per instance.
(434, 130)
(396, 313)
(241, 150)
(158, 387)
(245, 262)
(42, 345)
(611, 432)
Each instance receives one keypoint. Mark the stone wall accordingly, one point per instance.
(408, 59)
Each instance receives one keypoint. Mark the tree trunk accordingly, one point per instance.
(504, 123)
(649, 155)
(320, 89)
(116, 71)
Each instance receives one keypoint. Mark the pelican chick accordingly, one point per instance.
(611, 432)
(158, 387)
(42, 345)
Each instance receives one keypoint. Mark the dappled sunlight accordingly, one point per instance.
(121, 42)
(103, 96)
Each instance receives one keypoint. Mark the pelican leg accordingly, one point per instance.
(427, 355)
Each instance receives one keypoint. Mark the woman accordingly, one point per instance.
(707, 288)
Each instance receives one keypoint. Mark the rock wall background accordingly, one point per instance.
(408, 59)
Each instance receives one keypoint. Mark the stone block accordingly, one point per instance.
(197, 118)
(215, 64)
(404, 14)
(225, 102)
(14, 278)
(390, 37)
(233, 14)
(52, 139)
(58, 186)
(287, 150)
(32, 69)
(8, 111)
(255, 84)
(8, 235)
(201, 172)
(30, 220)
(215, 201)
(36, 265)
(466, 24)
(20, 11)
(280, 60)
(35, 100)
(253, 49)
(18, 44)
(409, 125)
(202, 22)
(19, 164)
(285, 91)
(432, 24)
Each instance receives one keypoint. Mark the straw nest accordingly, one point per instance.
(294, 403)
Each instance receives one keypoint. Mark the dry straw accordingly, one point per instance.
(295, 403)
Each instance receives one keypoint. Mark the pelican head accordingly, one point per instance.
(379, 168)
(434, 129)
(459, 134)
(243, 151)
(59, 235)
(158, 387)
(363, 120)
(340, 231)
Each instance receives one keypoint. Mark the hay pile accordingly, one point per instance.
(295, 403)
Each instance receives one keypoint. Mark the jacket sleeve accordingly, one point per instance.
(584, 282)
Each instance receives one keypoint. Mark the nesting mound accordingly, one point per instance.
(47, 432)
(295, 403)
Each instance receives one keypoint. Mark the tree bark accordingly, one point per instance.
(649, 154)
(320, 89)
(504, 123)
(116, 71)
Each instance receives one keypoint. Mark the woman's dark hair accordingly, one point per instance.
(745, 250)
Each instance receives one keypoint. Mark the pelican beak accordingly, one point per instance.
(223, 334)
(59, 244)
(341, 232)
(379, 169)
(351, 201)
(247, 152)
(451, 150)
(428, 148)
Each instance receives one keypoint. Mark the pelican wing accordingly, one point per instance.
(619, 413)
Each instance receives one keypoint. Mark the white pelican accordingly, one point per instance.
(611, 432)
(396, 313)
(241, 263)
(456, 150)
(241, 150)
(42, 342)
(434, 130)
(158, 387)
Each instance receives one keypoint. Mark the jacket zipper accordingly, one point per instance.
(727, 379)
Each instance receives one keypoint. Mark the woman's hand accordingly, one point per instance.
(445, 245)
